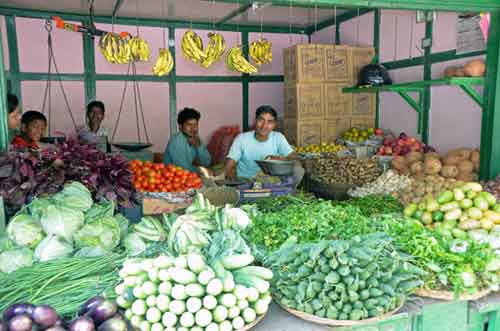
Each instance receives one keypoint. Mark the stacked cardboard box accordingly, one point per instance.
(316, 110)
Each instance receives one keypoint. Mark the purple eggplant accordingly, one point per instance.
(103, 311)
(90, 304)
(83, 323)
(44, 316)
(20, 322)
(18, 309)
(115, 323)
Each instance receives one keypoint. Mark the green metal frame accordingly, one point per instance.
(245, 87)
(4, 132)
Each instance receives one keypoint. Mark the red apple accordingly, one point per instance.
(401, 142)
(398, 150)
(379, 132)
(412, 140)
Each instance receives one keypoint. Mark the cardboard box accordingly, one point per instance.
(364, 104)
(336, 103)
(153, 206)
(304, 101)
(360, 56)
(363, 122)
(332, 128)
(304, 63)
(338, 64)
(301, 133)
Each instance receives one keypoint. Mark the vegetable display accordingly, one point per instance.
(465, 212)
(345, 170)
(320, 148)
(373, 205)
(156, 177)
(356, 135)
(387, 183)
(25, 175)
(65, 224)
(460, 266)
(343, 280)
(430, 186)
(402, 145)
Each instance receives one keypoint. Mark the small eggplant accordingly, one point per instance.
(20, 323)
(90, 304)
(18, 309)
(44, 316)
(115, 323)
(82, 323)
(103, 311)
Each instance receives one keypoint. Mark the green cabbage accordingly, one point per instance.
(100, 210)
(123, 222)
(103, 233)
(6, 243)
(75, 196)
(61, 221)
(53, 247)
(134, 244)
(25, 230)
(37, 206)
(13, 259)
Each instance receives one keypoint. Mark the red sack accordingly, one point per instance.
(221, 142)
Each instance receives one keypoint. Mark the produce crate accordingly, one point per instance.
(338, 64)
(438, 315)
(304, 63)
(304, 101)
(332, 128)
(364, 105)
(364, 122)
(336, 103)
(484, 314)
(301, 133)
(361, 56)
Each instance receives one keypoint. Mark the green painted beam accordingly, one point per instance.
(490, 123)
(89, 67)
(339, 19)
(376, 45)
(4, 129)
(435, 58)
(45, 76)
(234, 13)
(413, 104)
(448, 5)
(266, 79)
(478, 98)
(209, 79)
(245, 84)
(14, 78)
(426, 97)
(172, 84)
(179, 24)
(415, 86)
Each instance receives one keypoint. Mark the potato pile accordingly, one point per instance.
(460, 164)
(431, 185)
(474, 68)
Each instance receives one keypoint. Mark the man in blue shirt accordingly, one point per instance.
(256, 145)
(185, 149)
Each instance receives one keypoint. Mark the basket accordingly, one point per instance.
(276, 167)
(450, 296)
(330, 191)
(254, 323)
(329, 322)
(221, 195)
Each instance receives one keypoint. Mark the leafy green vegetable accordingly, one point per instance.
(134, 244)
(103, 233)
(25, 230)
(15, 258)
(61, 221)
(75, 196)
(374, 204)
(52, 247)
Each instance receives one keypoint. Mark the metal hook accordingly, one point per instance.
(48, 26)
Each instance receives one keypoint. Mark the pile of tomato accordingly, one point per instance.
(158, 177)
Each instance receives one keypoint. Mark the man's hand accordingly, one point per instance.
(194, 141)
(230, 169)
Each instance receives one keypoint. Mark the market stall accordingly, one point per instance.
(369, 224)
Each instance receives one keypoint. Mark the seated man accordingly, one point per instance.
(94, 132)
(185, 149)
(257, 145)
(33, 126)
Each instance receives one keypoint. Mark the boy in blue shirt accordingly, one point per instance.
(185, 149)
(256, 145)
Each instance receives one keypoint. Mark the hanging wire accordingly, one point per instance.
(261, 23)
(164, 27)
(357, 29)
(238, 35)
(315, 18)
(335, 24)
(121, 103)
(412, 27)
(137, 16)
(213, 15)
(290, 18)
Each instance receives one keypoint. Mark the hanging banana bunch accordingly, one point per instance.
(192, 47)
(261, 51)
(216, 47)
(139, 49)
(114, 48)
(235, 61)
(164, 63)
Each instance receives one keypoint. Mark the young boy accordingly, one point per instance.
(33, 126)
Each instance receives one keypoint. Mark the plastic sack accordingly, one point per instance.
(221, 142)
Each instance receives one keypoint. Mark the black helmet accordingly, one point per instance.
(374, 75)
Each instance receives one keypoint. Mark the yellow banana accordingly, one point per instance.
(236, 61)
(164, 63)
(215, 49)
(139, 49)
(192, 47)
(261, 51)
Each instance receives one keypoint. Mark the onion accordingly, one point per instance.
(20, 323)
(90, 304)
(17, 309)
(45, 316)
(103, 311)
(82, 323)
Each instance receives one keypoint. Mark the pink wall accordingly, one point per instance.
(219, 104)
(358, 31)
(33, 93)
(5, 47)
(265, 94)
(155, 105)
(324, 36)
(33, 51)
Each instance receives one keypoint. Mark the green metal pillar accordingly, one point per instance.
(172, 84)
(426, 109)
(245, 83)
(89, 67)
(376, 45)
(15, 80)
(4, 131)
(490, 126)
